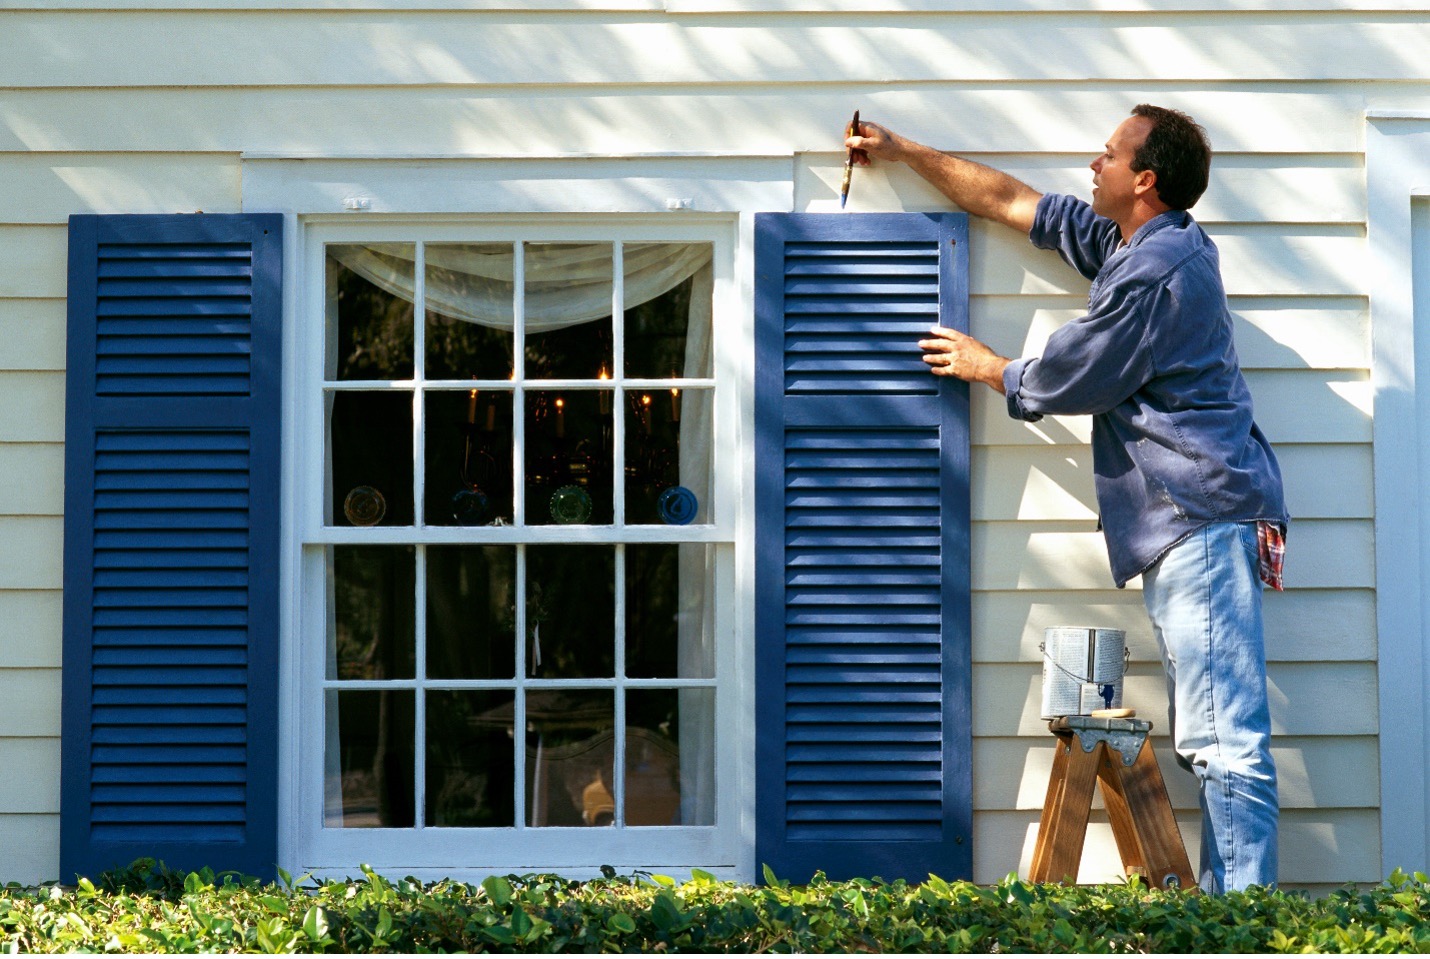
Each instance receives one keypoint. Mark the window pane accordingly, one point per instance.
(669, 621)
(471, 609)
(368, 779)
(568, 309)
(670, 757)
(569, 751)
(568, 458)
(668, 308)
(469, 458)
(570, 611)
(668, 456)
(374, 598)
(370, 311)
(471, 759)
(469, 311)
(370, 437)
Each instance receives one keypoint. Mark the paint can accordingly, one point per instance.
(1083, 668)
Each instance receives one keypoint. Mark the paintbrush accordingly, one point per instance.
(849, 161)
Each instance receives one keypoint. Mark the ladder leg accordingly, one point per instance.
(1069, 824)
(1151, 811)
(1052, 811)
(1124, 829)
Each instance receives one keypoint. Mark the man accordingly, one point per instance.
(1188, 487)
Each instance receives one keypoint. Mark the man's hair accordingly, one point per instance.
(1178, 151)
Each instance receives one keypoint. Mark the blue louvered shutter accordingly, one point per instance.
(169, 741)
(862, 549)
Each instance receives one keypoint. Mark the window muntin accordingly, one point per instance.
(616, 668)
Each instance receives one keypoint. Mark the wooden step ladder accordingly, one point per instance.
(1116, 753)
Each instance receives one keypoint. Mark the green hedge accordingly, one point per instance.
(147, 908)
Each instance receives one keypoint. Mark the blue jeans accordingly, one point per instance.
(1204, 599)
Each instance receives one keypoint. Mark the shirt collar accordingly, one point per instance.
(1158, 222)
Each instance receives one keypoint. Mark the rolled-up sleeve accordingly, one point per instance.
(1082, 238)
(1091, 364)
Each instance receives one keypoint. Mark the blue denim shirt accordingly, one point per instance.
(1174, 444)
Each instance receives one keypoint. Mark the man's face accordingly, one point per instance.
(1113, 179)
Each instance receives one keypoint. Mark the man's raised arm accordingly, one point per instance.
(981, 190)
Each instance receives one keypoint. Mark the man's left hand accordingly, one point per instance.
(951, 353)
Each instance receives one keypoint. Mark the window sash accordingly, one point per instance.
(516, 846)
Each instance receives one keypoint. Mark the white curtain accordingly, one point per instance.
(567, 284)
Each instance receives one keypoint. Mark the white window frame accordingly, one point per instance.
(729, 190)
(452, 851)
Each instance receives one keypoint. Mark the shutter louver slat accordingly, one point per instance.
(171, 543)
(864, 740)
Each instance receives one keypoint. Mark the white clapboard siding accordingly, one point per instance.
(1292, 406)
(1330, 333)
(31, 637)
(1244, 187)
(1055, 482)
(32, 702)
(1329, 554)
(1312, 772)
(147, 108)
(631, 120)
(39, 791)
(1260, 259)
(35, 264)
(306, 49)
(32, 334)
(1302, 625)
(30, 847)
(34, 407)
(32, 479)
(1307, 699)
(47, 188)
(30, 553)
(1318, 846)
(915, 6)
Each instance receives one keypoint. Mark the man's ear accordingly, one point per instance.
(1146, 182)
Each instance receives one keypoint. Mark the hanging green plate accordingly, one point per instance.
(570, 505)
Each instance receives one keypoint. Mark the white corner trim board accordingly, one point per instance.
(1398, 247)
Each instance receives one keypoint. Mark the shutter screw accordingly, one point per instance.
(958, 840)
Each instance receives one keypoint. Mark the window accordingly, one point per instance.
(514, 541)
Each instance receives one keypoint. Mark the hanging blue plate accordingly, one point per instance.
(677, 506)
(570, 505)
(471, 507)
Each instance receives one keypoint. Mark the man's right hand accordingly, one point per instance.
(876, 141)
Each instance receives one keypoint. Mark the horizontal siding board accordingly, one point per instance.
(1244, 187)
(31, 637)
(1333, 772)
(34, 407)
(1318, 846)
(1332, 481)
(32, 847)
(1257, 259)
(32, 332)
(47, 188)
(32, 479)
(31, 783)
(32, 702)
(1302, 625)
(1007, 699)
(1321, 554)
(177, 49)
(1330, 333)
(1292, 406)
(30, 552)
(775, 120)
